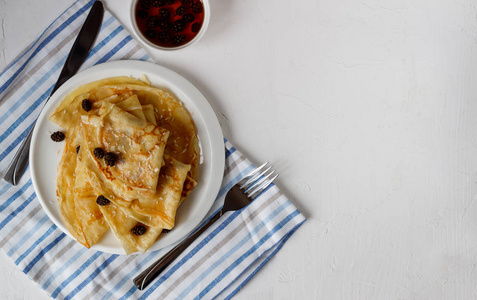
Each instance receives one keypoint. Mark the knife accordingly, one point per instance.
(78, 53)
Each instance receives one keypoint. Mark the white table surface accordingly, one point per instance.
(367, 109)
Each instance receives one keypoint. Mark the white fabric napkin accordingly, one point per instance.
(218, 264)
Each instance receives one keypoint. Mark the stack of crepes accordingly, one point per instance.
(154, 138)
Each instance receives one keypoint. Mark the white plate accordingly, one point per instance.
(46, 154)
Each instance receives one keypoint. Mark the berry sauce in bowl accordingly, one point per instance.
(170, 24)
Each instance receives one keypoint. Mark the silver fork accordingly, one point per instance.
(241, 194)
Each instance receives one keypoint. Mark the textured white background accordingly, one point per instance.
(367, 109)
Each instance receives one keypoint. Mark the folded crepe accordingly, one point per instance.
(86, 208)
(77, 201)
(138, 145)
(170, 114)
(69, 111)
(154, 139)
(122, 226)
(161, 209)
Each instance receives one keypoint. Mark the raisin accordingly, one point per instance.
(86, 105)
(58, 136)
(139, 229)
(98, 153)
(102, 201)
(110, 159)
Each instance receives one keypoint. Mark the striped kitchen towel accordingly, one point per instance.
(217, 265)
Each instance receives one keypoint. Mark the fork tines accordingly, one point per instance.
(258, 180)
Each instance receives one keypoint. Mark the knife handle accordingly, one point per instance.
(153, 271)
(82, 45)
(78, 53)
(20, 161)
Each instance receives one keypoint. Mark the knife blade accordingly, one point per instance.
(78, 54)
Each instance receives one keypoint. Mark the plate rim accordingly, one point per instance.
(211, 124)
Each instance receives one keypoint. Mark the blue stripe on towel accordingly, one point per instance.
(15, 143)
(46, 42)
(27, 236)
(143, 263)
(234, 249)
(45, 95)
(43, 252)
(35, 244)
(75, 274)
(77, 271)
(247, 254)
(274, 251)
(17, 194)
(64, 267)
(17, 211)
(92, 276)
(49, 74)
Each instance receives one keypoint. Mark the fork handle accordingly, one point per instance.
(147, 276)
